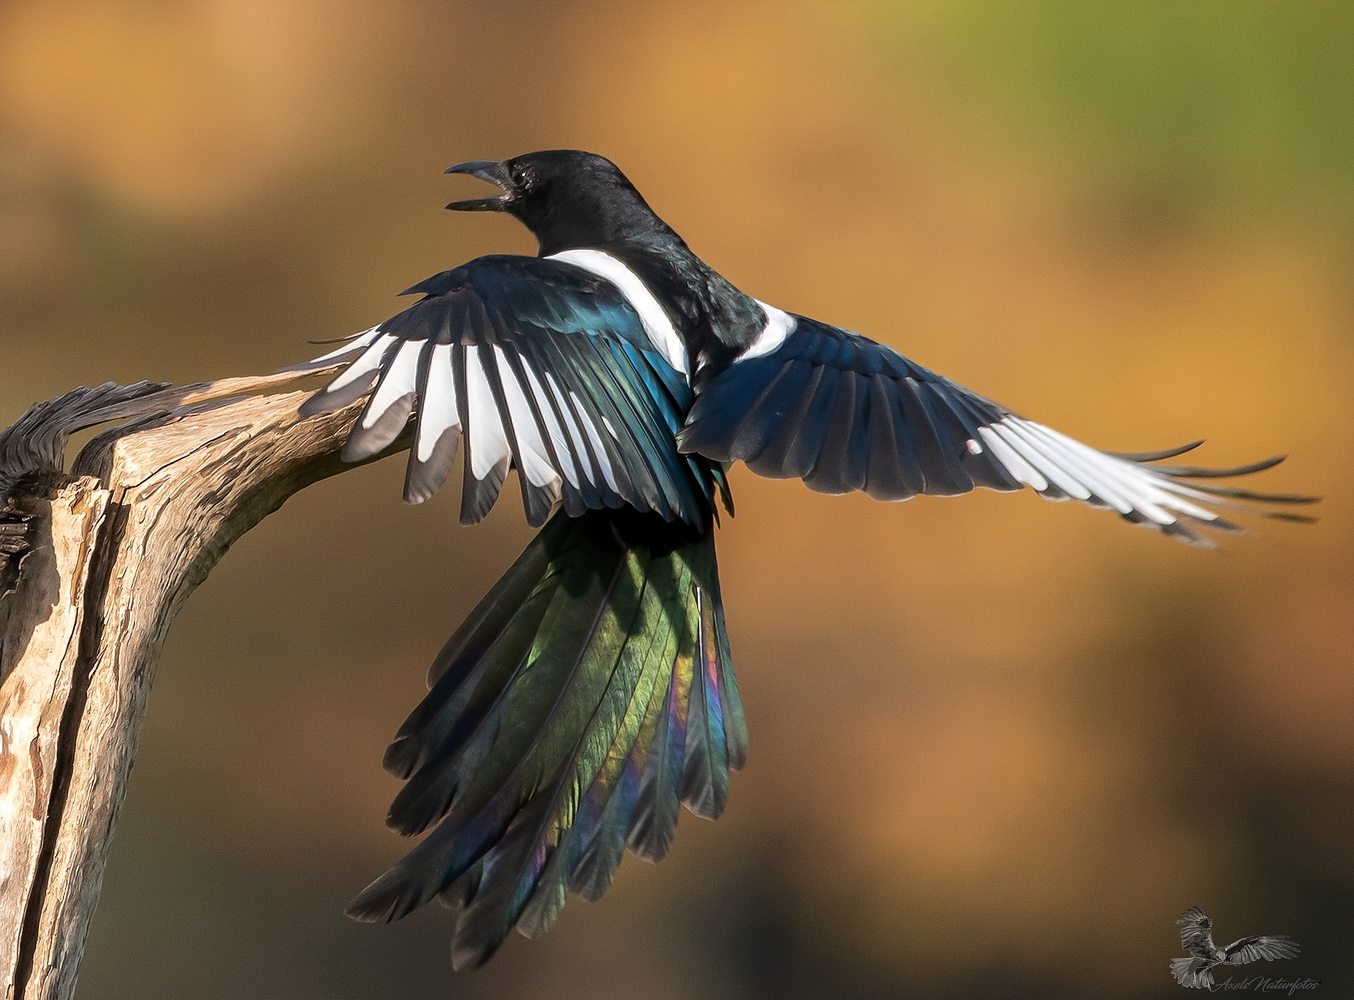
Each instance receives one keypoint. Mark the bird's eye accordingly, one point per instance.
(520, 177)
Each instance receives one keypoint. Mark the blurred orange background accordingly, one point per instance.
(998, 745)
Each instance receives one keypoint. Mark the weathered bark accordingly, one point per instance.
(93, 567)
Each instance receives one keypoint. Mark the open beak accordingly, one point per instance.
(485, 170)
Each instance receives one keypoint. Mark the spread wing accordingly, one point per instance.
(1256, 947)
(844, 413)
(1196, 932)
(533, 364)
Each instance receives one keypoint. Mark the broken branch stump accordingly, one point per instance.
(93, 567)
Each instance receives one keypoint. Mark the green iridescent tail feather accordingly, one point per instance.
(588, 696)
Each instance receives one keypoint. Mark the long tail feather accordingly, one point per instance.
(602, 847)
(586, 698)
(654, 820)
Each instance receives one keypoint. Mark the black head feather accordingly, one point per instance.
(569, 199)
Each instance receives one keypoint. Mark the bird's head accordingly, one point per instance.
(568, 198)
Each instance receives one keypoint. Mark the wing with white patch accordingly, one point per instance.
(533, 364)
(844, 413)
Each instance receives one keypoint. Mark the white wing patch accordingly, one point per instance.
(662, 334)
(535, 457)
(563, 446)
(349, 345)
(598, 449)
(465, 373)
(573, 432)
(779, 325)
(367, 362)
(437, 410)
(488, 443)
(397, 382)
(578, 448)
(1053, 463)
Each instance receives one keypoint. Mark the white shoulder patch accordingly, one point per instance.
(662, 334)
(779, 325)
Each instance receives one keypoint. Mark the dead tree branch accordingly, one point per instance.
(94, 565)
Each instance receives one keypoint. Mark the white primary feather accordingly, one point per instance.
(1040, 456)
(564, 448)
(533, 455)
(580, 449)
(438, 408)
(359, 340)
(488, 443)
(367, 362)
(397, 382)
(1123, 486)
(1019, 438)
(1098, 477)
(591, 430)
(1021, 470)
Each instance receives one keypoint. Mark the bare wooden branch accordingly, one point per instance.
(99, 563)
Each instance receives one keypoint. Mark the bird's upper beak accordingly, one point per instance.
(485, 170)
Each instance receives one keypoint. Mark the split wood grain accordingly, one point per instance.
(109, 554)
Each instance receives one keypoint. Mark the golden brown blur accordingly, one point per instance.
(998, 744)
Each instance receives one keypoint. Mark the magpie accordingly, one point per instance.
(1196, 937)
(591, 693)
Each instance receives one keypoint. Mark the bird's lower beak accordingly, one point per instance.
(485, 170)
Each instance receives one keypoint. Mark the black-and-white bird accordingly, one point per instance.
(1196, 937)
(591, 692)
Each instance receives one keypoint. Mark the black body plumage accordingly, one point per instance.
(592, 693)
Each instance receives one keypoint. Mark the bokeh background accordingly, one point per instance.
(998, 745)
